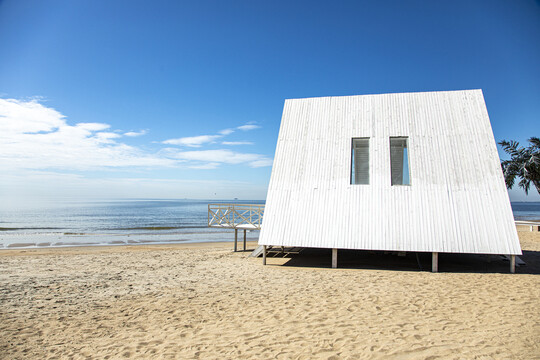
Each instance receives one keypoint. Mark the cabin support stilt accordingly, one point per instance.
(244, 239)
(334, 258)
(235, 240)
(434, 262)
(512, 264)
(264, 254)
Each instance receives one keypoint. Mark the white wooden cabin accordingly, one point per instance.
(414, 172)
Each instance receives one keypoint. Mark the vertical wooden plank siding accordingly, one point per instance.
(456, 200)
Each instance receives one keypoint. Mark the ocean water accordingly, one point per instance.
(526, 210)
(123, 222)
(115, 222)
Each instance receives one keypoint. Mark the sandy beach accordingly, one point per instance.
(202, 301)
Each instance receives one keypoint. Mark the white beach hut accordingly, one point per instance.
(414, 172)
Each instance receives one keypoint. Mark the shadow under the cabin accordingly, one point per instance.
(458, 263)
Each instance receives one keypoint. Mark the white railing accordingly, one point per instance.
(235, 216)
(533, 225)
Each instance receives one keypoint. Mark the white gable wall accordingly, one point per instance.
(457, 200)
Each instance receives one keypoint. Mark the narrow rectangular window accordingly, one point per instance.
(399, 161)
(360, 161)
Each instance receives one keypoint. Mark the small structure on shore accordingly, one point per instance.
(411, 172)
(236, 216)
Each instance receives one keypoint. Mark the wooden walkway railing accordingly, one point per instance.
(236, 216)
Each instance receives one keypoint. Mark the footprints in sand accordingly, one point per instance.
(205, 304)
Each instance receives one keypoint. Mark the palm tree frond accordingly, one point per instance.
(524, 164)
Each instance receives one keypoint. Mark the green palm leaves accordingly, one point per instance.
(524, 163)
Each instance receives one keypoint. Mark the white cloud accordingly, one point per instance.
(34, 136)
(18, 117)
(135, 133)
(193, 141)
(232, 143)
(226, 131)
(198, 141)
(261, 163)
(206, 166)
(224, 156)
(106, 137)
(248, 127)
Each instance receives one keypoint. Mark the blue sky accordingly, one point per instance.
(170, 99)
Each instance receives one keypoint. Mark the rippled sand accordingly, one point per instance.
(204, 301)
